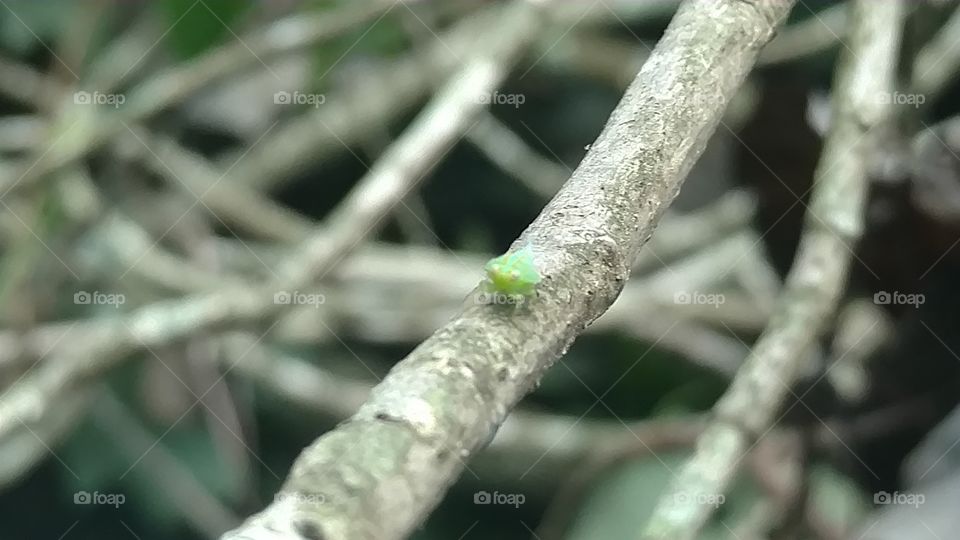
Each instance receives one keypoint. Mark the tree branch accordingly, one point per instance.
(814, 284)
(382, 471)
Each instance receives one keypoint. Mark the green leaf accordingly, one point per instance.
(197, 26)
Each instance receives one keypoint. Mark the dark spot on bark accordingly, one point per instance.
(387, 417)
(442, 455)
(309, 530)
(503, 374)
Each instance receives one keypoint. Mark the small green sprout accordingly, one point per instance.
(513, 275)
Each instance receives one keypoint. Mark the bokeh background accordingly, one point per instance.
(185, 439)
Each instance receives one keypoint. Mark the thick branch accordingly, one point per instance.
(382, 471)
(814, 284)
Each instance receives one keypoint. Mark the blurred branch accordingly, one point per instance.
(24, 450)
(22, 83)
(402, 167)
(75, 42)
(617, 11)
(937, 63)
(172, 478)
(393, 89)
(527, 436)
(125, 55)
(814, 34)
(862, 329)
(431, 285)
(616, 60)
(19, 133)
(350, 113)
(383, 470)
(182, 80)
(814, 284)
(512, 155)
(230, 202)
(679, 234)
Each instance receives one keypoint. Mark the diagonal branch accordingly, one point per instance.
(381, 472)
(814, 284)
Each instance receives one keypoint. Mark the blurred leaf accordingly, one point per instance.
(620, 504)
(96, 455)
(196, 26)
(24, 24)
(841, 503)
(385, 39)
(96, 463)
(634, 380)
(696, 395)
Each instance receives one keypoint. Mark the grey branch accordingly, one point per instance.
(833, 224)
(382, 471)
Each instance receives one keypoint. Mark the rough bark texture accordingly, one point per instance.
(814, 284)
(381, 472)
